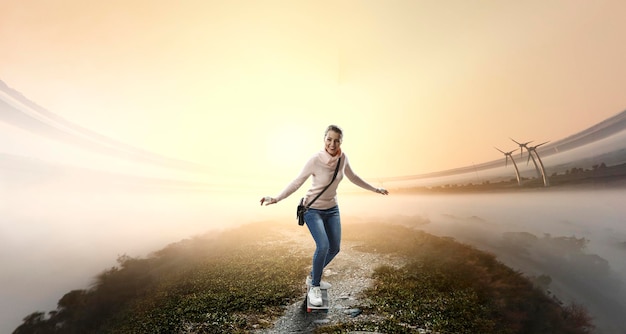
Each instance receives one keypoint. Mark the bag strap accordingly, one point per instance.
(331, 182)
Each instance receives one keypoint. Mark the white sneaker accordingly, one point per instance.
(323, 284)
(315, 296)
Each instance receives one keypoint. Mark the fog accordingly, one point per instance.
(531, 232)
(55, 239)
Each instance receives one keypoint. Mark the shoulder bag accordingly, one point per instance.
(303, 208)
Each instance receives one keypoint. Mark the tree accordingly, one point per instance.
(35, 323)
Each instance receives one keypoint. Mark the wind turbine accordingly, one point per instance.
(532, 149)
(525, 145)
(508, 155)
(522, 146)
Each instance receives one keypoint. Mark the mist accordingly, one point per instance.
(57, 234)
(56, 238)
(536, 232)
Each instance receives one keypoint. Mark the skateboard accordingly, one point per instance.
(325, 302)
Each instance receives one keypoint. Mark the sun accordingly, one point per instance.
(288, 146)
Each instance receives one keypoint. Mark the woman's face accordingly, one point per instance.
(332, 141)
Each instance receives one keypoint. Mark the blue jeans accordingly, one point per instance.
(325, 227)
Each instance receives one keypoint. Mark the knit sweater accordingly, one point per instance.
(322, 167)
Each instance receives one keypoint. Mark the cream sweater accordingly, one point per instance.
(322, 167)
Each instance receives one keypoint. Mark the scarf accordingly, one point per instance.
(329, 160)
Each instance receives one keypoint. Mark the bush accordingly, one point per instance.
(223, 282)
(448, 287)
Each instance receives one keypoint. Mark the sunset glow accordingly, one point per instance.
(128, 125)
(254, 83)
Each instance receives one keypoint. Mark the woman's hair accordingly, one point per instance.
(334, 128)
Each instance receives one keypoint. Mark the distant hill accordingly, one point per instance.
(604, 129)
(17, 110)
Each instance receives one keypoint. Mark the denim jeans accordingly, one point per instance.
(325, 227)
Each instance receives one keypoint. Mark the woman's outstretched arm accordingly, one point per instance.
(360, 182)
(292, 186)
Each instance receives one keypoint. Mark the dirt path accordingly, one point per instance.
(349, 273)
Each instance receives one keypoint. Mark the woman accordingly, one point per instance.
(322, 218)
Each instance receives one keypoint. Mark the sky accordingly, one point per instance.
(248, 87)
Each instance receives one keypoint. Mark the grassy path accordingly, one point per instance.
(250, 279)
(350, 274)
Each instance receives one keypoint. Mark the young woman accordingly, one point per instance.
(322, 218)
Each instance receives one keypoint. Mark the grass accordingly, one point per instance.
(230, 293)
(241, 279)
(448, 287)
(233, 285)
(230, 282)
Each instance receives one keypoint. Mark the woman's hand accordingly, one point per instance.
(382, 191)
(268, 200)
